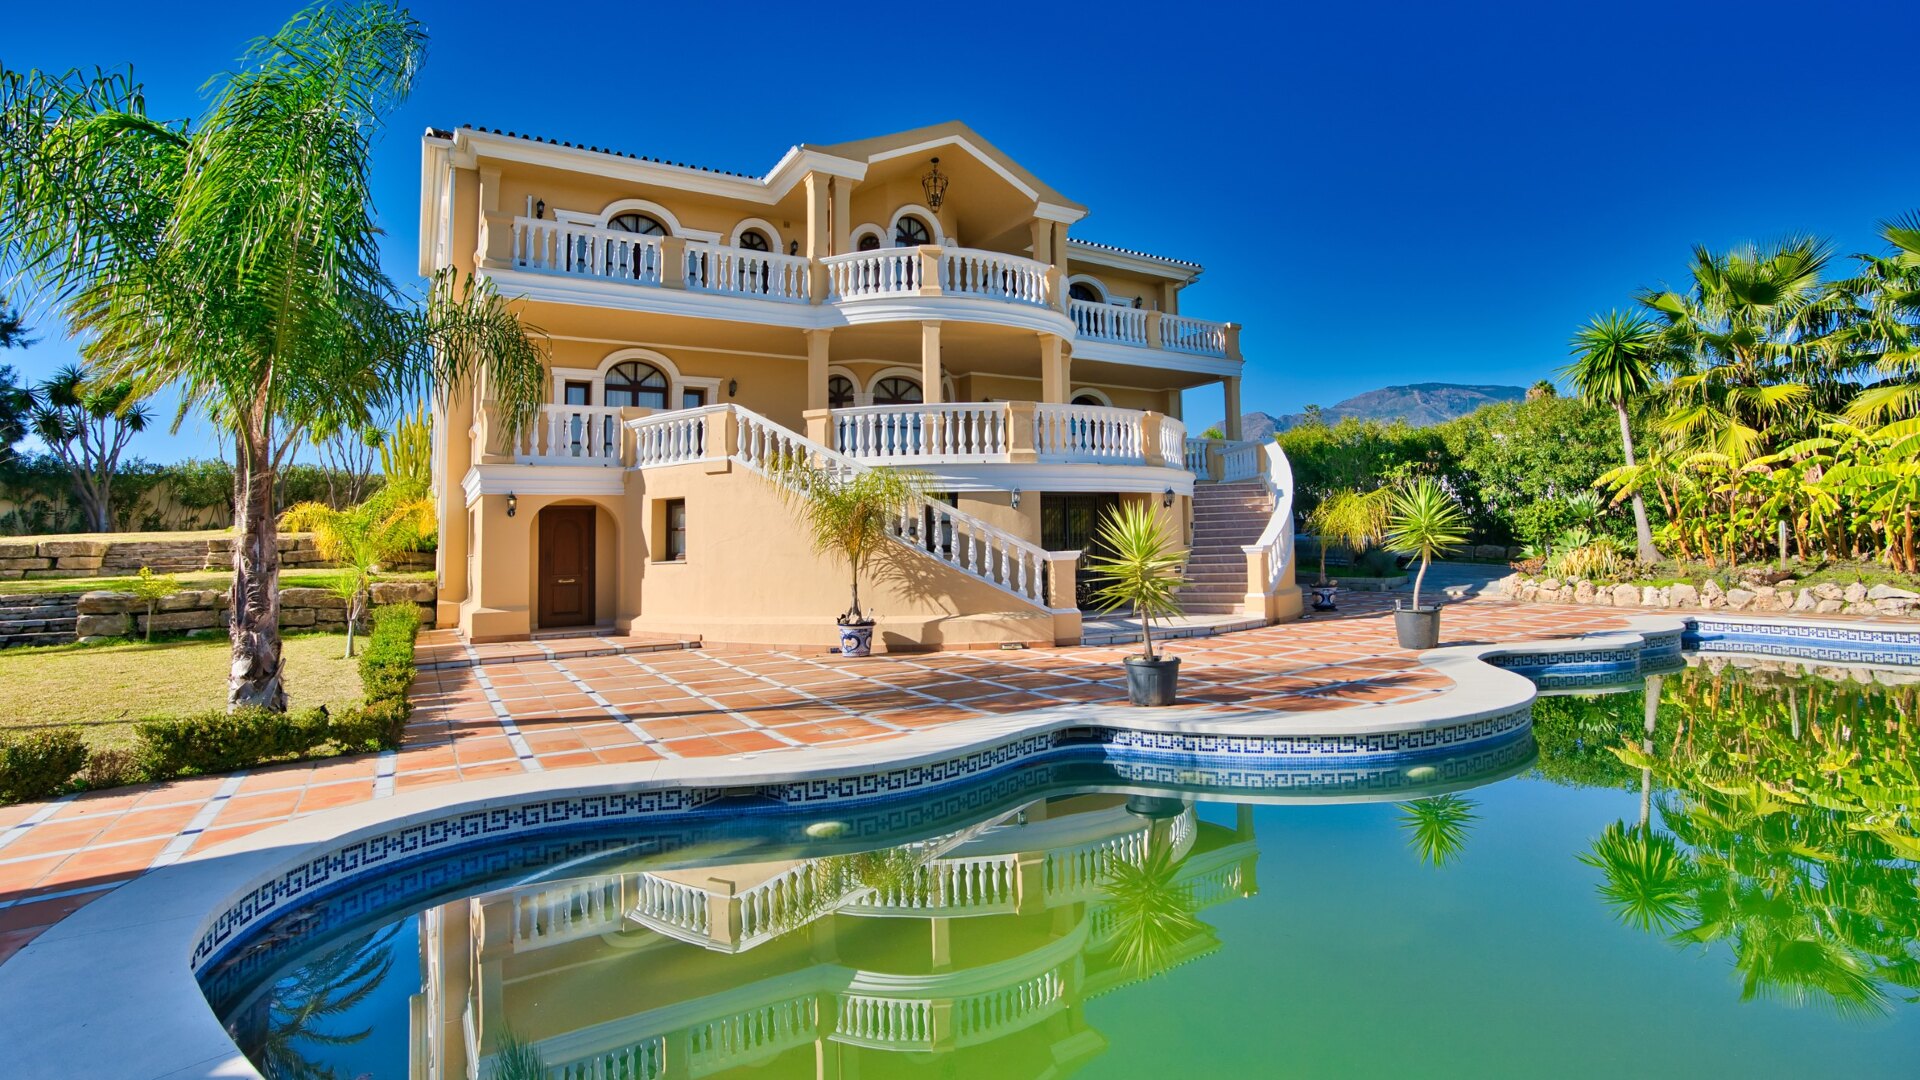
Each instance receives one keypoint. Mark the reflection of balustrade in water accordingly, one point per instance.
(1078, 873)
(985, 1017)
(886, 1023)
(569, 910)
(644, 1060)
(746, 1038)
(978, 885)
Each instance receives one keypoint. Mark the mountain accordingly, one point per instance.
(1420, 404)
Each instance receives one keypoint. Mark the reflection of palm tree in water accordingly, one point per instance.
(1810, 894)
(1151, 912)
(298, 1010)
(1437, 828)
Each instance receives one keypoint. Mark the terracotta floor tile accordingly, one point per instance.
(332, 795)
(56, 836)
(269, 806)
(636, 752)
(139, 824)
(497, 768)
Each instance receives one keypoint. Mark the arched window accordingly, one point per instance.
(755, 240)
(1087, 399)
(635, 222)
(870, 242)
(635, 382)
(911, 232)
(1080, 290)
(896, 390)
(840, 392)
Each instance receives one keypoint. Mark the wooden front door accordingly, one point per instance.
(566, 566)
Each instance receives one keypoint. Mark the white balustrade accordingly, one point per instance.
(567, 911)
(985, 1017)
(755, 1035)
(1197, 457)
(866, 274)
(884, 1022)
(1178, 333)
(563, 247)
(993, 275)
(572, 435)
(671, 438)
(1096, 321)
(641, 1061)
(761, 275)
(1239, 461)
(939, 531)
(1089, 433)
(1173, 437)
(887, 434)
(659, 903)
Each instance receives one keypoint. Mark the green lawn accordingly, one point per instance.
(198, 579)
(104, 688)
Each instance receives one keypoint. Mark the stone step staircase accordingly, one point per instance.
(46, 619)
(1226, 518)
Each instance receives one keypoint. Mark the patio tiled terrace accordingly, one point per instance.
(492, 709)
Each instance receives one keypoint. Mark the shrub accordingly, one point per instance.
(109, 768)
(39, 763)
(386, 675)
(219, 741)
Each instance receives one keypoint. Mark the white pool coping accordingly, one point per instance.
(109, 990)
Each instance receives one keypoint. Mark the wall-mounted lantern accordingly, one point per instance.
(513, 504)
(1015, 500)
(540, 209)
(1166, 499)
(733, 388)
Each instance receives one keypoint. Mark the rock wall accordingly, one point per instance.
(1884, 601)
(105, 614)
(29, 558)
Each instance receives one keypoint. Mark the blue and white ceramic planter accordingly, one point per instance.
(856, 639)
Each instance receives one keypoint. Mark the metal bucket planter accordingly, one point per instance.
(1152, 682)
(1417, 627)
(856, 639)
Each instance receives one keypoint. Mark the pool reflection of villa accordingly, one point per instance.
(980, 945)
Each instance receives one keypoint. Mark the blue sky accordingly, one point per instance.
(1381, 193)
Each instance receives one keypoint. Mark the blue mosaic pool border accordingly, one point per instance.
(1833, 642)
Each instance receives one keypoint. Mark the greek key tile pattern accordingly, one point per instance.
(1812, 641)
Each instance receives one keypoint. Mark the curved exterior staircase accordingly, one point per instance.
(1227, 518)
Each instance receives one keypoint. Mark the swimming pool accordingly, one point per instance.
(1724, 882)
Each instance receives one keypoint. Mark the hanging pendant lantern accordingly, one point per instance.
(935, 185)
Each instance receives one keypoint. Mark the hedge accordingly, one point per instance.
(44, 763)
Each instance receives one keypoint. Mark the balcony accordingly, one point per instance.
(928, 282)
(1006, 432)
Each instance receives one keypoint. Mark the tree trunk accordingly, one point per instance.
(254, 678)
(1643, 536)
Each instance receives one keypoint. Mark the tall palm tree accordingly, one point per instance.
(1617, 359)
(1881, 328)
(236, 260)
(1750, 334)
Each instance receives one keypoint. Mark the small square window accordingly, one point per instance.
(693, 397)
(676, 516)
(579, 393)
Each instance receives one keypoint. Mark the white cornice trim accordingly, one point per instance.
(1133, 355)
(765, 190)
(997, 476)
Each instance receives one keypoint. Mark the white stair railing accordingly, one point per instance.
(671, 438)
(904, 434)
(1240, 461)
(1089, 433)
(762, 275)
(1197, 457)
(1276, 540)
(571, 435)
(1095, 321)
(993, 275)
(1198, 336)
(942, 533)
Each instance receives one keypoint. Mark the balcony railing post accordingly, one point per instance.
(496, 238)
(1057, 288)
(820, 428)
(1062, 566)
(723, 435)
(930, 270)
(1021, 446)
(1216, 459)
(1153, 330)
(1232, 334)
(673, 262)
(1150, 430)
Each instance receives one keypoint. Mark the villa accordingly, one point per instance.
(908, 301)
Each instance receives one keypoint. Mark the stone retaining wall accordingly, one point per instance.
(26, 557)
(105, 614)
(1825, 599)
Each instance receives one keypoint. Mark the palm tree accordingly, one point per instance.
(1425, 521)
(1355, 520)
(1749, 336)
(1617, 359)
(236, 259)
(1881, 328)
(1151, 912)
(1141, 567)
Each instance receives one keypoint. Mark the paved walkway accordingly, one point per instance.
(494, 709)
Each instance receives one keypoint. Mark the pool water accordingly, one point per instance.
(1722, 885)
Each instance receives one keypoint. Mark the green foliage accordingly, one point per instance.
(1353, 519)
(406, 455)
(36, 764)
(1515, 464)
(221, 741)
(1139, 566)
(152, 588)
(1578, 556)
(1151, 913)
(386, 675)
(1437, 828)
(1358, 455)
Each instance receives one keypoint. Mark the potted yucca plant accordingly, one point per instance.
(848, 514)
(1423, 521)
(1141, 569)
